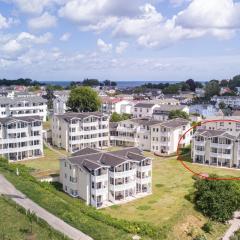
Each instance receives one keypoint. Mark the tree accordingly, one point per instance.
(178, 114)
(83, 99)
(49, 96)
(235, 82)
(91, 82)
(185, 87)
(222, 105)
(171, 89)
(191, 84)
(212, 88)
(224, 83)
(217, 199)
(115, 117)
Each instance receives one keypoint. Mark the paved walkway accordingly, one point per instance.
(6, 188)
(235, 225)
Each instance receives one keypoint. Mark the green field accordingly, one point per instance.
(168, 206)
(16, 225)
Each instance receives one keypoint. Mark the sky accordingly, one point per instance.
(120, 40)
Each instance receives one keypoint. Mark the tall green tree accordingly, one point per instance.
(217, 199)
(116, 117)
(83, 99)
(178, 114)
(212, 88)
(192, 85)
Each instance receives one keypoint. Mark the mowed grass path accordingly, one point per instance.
(167, 206)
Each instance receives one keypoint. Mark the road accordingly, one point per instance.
(6, 188)
(235, 225)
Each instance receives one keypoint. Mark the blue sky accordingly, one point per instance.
(121, 40)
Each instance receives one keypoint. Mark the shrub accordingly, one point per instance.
(207, 227)
(200, 237)
(217, 199)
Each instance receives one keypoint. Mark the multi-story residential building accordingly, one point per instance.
(110, 105)
(106, 178)
(144, 109)
(23, 106)
(216, 147)
(60, 104)
(75, 131)
(21, 138)
(162, 112)
(133, 132)
(165, 136)
(160, 137)
(231, 101)
(205, 110)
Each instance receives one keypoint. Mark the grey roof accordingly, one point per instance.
(33, 99)
(213, 133)
(144, 105)
(85, 151)
(174, 123)
(99, 159)
(167, 108)
(145, 121)
(236, 113)
(70, 115)
(25, 119)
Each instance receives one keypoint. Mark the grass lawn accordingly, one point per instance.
(47, 124)
(15, 225)
(50, 161)
(168, 206)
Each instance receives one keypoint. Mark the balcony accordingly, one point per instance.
(100, 178)
(145, 168)
(122, 174)
(122, 187)
(144, 180)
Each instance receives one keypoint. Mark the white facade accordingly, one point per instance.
(21, 138)
(60, 104)
(75, 131)
(165, 136)
(216, 147)
(151, 135)
(23, 106)
(104, 179)
(231, 101)
(143, 110)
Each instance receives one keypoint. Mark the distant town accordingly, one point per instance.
(116, 151)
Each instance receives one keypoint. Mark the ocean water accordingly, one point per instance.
(120, 84)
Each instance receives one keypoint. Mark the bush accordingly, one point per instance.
(207, 227)
(200, 237)
(217, 199)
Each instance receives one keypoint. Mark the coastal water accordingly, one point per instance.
(120, 84)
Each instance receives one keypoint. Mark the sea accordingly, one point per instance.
(120, 84)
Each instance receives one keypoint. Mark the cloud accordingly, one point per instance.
(216, 14)
(104, 47)
(14, 45)
(122, 46)
(6, 22)
(44, 21)
(65, 37)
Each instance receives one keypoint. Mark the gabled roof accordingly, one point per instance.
(6, 120)
(71, 115)
(144, 105)
(174, 123)
(92, 161)
(214, 133)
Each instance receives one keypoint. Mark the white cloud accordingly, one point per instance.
(12, 46)
(219, 14)
(44, 21)
(3, 22)
(104, 47)
(122, 46)
(65, 37)
(32, 6)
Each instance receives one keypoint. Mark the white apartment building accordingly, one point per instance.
(162, 112)
(160, 137)
(106, 178)
(21, 138)
(216, 147)
(75, 131)
(23, 106)
(231, 101)
(144, 109)
(165, 136)
(133, 132)
(60, 104)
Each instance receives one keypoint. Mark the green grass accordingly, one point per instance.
(168, 207)
(16, 225)
(50, 161)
